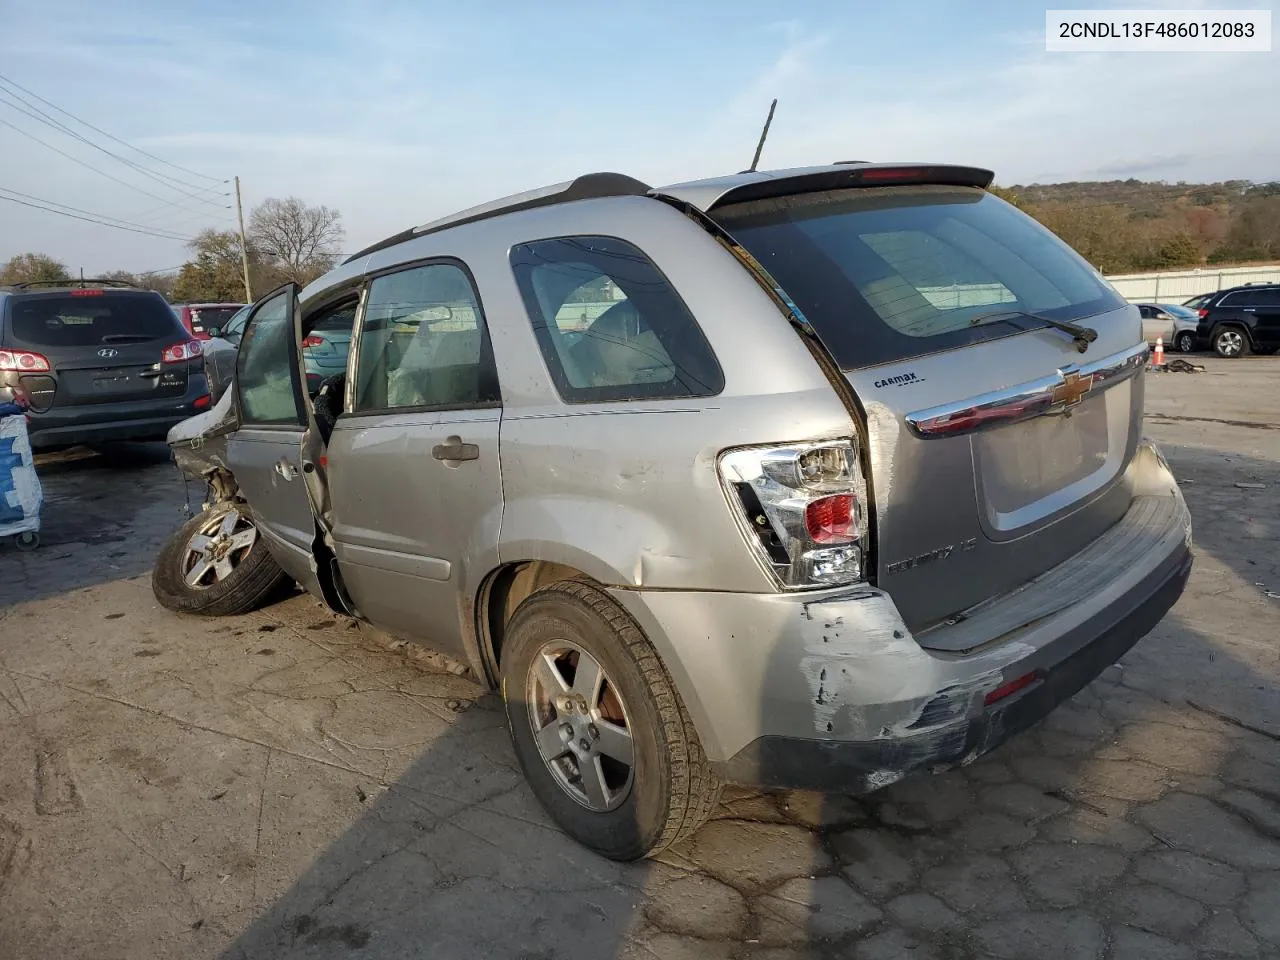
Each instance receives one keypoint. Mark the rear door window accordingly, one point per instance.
(424, 343)
(609, 324)
(90, 320)
(888, 273)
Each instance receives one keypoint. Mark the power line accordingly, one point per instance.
(162, 179)
(104, 223)
(89, 166)
(86, 123)
(91, 213)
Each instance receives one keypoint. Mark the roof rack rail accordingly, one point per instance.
(80, 283)
(589, 186)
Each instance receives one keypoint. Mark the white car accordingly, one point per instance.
(1173, 322)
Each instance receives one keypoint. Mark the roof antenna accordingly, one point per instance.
(763, 133)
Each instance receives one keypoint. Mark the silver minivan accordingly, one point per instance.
(810, 478)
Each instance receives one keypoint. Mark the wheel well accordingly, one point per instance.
(1234, 325)
(503, 591)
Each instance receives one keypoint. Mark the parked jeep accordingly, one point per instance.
(812, 478)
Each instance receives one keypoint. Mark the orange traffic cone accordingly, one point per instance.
(1157, 358)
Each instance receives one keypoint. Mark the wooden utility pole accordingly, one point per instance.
(763, 133)
(244, 246)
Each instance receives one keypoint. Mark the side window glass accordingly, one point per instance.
(265, 370)
(1268, 298)
(609, 324)
(1234, 300)
(424, 343)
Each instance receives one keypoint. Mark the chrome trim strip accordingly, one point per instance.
(1023, 401)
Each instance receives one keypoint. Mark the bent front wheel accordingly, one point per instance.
(216, 565)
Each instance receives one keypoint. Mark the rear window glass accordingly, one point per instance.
(83, 321)
(338, 321)
(895, 272)
(213, 316)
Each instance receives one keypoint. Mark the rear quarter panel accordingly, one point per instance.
(628, 492)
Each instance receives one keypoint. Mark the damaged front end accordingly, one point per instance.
(199, 447)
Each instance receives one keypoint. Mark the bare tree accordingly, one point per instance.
(302, 240)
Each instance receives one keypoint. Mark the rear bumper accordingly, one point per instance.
(829, 690)
(102, 422)
(862, 766)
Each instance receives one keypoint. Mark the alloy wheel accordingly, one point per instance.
(580, 726)
(217, 548)
(1230, 342)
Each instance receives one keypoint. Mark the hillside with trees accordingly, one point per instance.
(1128, 226)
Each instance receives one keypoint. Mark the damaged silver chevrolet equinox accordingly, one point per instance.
(810, 478)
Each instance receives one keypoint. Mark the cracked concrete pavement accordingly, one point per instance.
(285, 785)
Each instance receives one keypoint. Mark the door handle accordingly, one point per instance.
(285, 468)
(454, 450)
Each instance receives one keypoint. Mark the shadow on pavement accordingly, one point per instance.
(1135, 821)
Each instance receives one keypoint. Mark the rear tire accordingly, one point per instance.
(188, 579)
(1230, 342)
(1186, 342)
(668, 790)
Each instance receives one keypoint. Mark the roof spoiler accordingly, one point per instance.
(709, 194)
(586, 187)
(79, 284)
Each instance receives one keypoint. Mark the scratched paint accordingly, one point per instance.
(863, 670)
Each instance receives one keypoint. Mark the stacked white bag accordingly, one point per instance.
(20, 494)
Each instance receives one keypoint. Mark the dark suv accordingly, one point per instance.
(98, 362)
(1241, 320)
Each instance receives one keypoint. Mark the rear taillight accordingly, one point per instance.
(802, 508)
(199, 403)
(1202, 313)
(312, 341)
(179, 352)
(831, 520)
(24, 361)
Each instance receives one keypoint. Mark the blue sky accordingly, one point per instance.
(397, 113)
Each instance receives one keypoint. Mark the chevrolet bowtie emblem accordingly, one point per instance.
(1072, 389)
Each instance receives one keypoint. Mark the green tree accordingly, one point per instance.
(1178, 250)
(215, 272)
(1007, 194)
(1104, 234)
(1254, 233)
(27, 267)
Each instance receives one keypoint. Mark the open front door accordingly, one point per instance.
(266, 452)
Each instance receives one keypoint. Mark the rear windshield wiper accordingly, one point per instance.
(1083, 336)
(126, 338)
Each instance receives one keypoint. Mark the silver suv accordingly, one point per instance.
(811, 478)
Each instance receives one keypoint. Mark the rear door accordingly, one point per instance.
(413, 476)
(1155, 323)
(103, 346)
(265, 452)
(996, 447)
(1266, 311)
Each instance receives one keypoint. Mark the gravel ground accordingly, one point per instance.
(282, 785)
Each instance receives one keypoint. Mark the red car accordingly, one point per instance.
(199, 317)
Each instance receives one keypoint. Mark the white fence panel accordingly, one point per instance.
(1174, 286)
